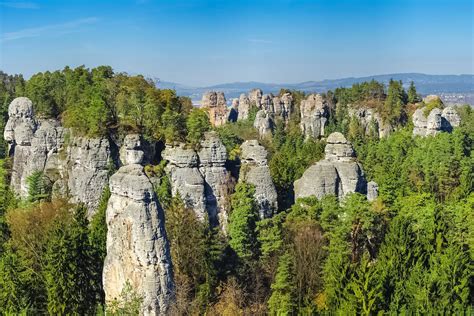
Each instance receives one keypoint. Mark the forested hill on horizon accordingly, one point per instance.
(453, 88)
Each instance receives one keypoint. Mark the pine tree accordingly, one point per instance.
(413, 96)
(38, 187)
(69, 274)
(282, 300)
(242, 222)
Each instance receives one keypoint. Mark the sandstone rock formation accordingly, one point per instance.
(370, 121)
(372, 190)
(255, 97)
(263, 123)
(255, 170)
(244, 107)
(338, 173)
(215, 103)
(137, 246)
(78, 168)
(185, 177)
(314, 115)
(200, 178)
(218, 183)
(436, 122)
(452, 118)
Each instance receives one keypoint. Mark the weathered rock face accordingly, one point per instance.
(87, 161)
(201, 179)
(255, 97)
(314, 116)
(215, 103)
(218, 183)
(137, 246)
(244, 107)
(338, 173)
(371, 121)
(78, 168)
(185, 178)
(372, 190)
(452, 117)
(437, 121)
(255, 170)
(263, 123)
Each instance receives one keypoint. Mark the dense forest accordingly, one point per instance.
(409, 251)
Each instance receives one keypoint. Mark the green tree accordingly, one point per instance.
(197, 123)
(69, 272)
(282, 301)
(412, 95)
(39, 187)
(242, 222)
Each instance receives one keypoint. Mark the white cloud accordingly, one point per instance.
(20, 5)
(53, 29)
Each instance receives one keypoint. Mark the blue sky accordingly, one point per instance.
(201, 42)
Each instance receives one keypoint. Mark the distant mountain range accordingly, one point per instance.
(456, 88)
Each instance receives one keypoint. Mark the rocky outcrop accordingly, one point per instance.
(215, 103)
(436, 122)
(244, 107)
(87, 170)
(218, 183)
(254, 170)
(201, 179)
(372, 190)
(337, 174)
(255, 97)
(270, 108)
(137, 246)
(185, 177)
(371, 121)
(451, 117)
(314, 116)
(77, 167)
(263, 123)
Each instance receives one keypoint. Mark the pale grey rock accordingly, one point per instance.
(215, 103)
(372, 191)
(452, 117)
(277, 107)
(213, 152)
(218, 183)
(252, 152)
(21, 124)
(185, 178)
(244, 107)
(180, 156)
(254, 170)
(437, 121)
(201, 179)
(314, 115)
(78, 169)
(338, 148)
(287, 106)
(419, 122)
(266, 103)
(131, 151)
(370, 121)
(263, 123)
(137, 246)
(88, 170)
(255, 97)
(338, 173)
(434, 122)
